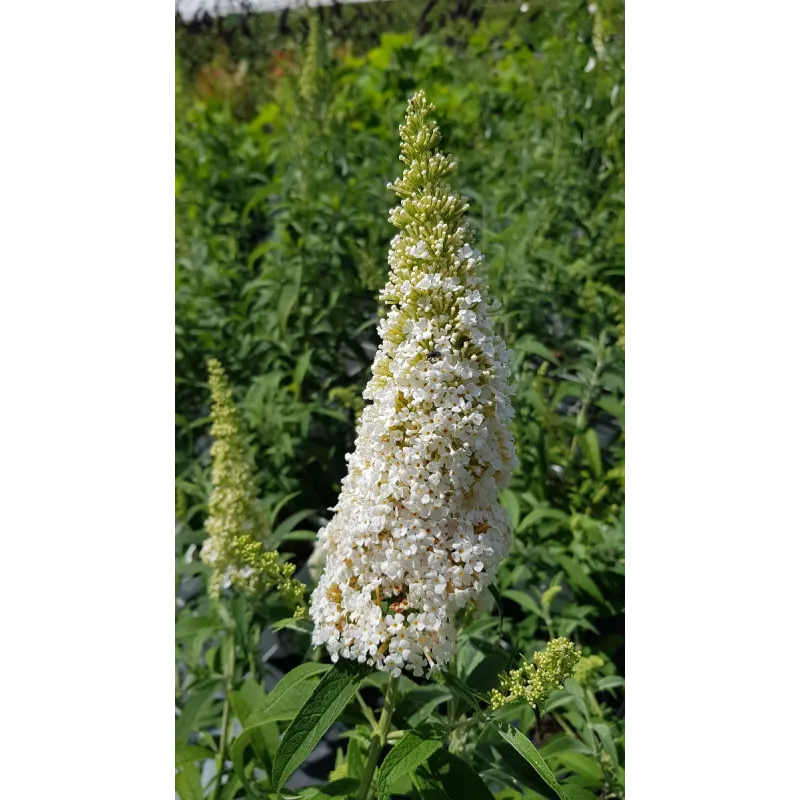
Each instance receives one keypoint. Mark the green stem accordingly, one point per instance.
(566, 726)
(452, 703)
(588, 399)
(226, 709)
(378, 740)
(598, 743)
(367, 711)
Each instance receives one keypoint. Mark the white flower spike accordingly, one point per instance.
(418, 531)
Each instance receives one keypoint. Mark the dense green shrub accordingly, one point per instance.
(281, 242)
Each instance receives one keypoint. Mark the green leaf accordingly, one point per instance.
(564, 744)
(300, 536)
(499, 600)
(247, 700)
(418, 703)
(336, 790)
(259, 251)
(199, 698)
(301, 625)
(542, 512)
(189, 753)
(188, 626)
(266, 116)
(428, 788)
(355, 758)
(411, 751)
(231, 789)
(427, 709)
(283, 707)
(282, 704)
(237, 751)
(527, 344)
(380, 57)
(591, 447)
(585, 766)
(276, 508)
(513, 711)
(511, 504)
(300, 673)
(286, 527)
(477, 628)
(460, 689)
(512, 768)
(524, 600)
(318, 713)
(578, 579)
(187, 783)
(612, 406)
(484, 676)
(457, 778)
(286, 302)
(252, 696)
(610, 682)
(607, 740)
(575, 792)
(525, 748)
(300, 371)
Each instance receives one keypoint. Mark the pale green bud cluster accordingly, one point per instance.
(235, 521)
(535, 680)
(548, 596)
(586, 668)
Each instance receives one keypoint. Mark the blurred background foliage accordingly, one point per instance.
(283, 151)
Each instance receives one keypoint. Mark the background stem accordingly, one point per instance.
(226, 708)
(378, 740)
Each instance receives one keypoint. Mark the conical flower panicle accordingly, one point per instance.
(308, 75)
(235, 521)
(418, 531)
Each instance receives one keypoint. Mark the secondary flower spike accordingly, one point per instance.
(418, 531)
(235, 521)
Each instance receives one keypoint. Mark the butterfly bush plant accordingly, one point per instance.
(419, 672)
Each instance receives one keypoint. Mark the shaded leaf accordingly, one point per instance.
(318, 713)
(300, 625)
(411, 751)
(610, 682)
(525, 748)
(187, 783)
(198, 699)
(591, 447)
(336, 790)
(524, 600)
(187, 753)
(457, 778)
(540, 513)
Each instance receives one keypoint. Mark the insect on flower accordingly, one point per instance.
(434, 355)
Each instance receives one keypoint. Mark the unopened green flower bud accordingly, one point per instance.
(586, 668)
(535, 680)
